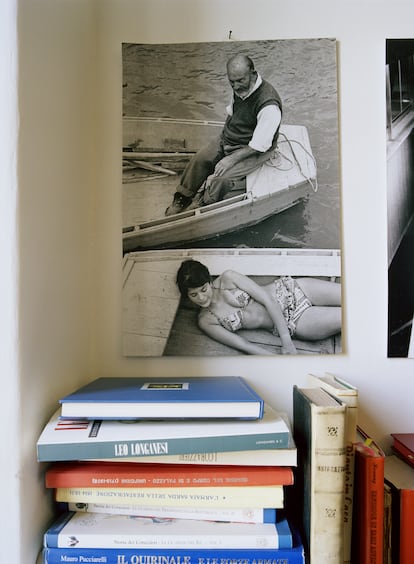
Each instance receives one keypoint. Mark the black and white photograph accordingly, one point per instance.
(230, 180)
(400, 195)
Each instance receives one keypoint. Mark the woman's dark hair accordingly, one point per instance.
(192, 274)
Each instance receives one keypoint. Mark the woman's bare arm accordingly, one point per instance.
(261, 296)
(226, 337)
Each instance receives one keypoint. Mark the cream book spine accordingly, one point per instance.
(234, 496)
(347, 393)
(319, 429)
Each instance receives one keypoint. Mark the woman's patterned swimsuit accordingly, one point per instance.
(287, 292)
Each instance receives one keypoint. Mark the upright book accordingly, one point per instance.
(203, 397)
(319, 429)
(400, 477)
(107, 439)
(368, 518)
(93, 530)
(387, 552)
(345, 392)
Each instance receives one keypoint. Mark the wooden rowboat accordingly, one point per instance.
(154, 149)
(157, 322)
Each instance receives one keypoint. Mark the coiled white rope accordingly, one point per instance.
(275, 161)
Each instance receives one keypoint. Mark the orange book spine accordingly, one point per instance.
(108, 474)
(368, 526)
(406, 526)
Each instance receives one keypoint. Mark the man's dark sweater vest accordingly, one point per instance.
(240, 126)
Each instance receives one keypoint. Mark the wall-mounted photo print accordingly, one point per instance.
(230, 151)
(400, 195)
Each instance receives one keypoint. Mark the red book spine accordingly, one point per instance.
(368, 528)
(406, 526)
(403, 452)
(124, 474)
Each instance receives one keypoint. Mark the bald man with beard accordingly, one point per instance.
(248, 139)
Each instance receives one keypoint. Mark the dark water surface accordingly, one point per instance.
(189, 81)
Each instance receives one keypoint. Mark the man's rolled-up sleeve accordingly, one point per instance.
(268, 120)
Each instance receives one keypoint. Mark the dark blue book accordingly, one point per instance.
(203, 397)
(293, 555)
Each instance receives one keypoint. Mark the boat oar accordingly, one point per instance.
(152, 167)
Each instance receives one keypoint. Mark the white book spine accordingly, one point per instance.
(147, 533)
(238, 515)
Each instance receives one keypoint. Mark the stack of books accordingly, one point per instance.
(178, 471)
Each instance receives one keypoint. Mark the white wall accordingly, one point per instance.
(69, 252)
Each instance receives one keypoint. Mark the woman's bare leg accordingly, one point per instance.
(319, 322)
(321, 292)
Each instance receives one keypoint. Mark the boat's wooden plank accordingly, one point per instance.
(149, 306)
(127, 266)
(164, 133)
(147, 346)
(130, 155)
(153, 167)
(152, 319)
(250, 261)
(138, 176)
(257, 252)
(146, 199)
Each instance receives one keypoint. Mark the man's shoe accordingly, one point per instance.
(179, 203)
(197, 202)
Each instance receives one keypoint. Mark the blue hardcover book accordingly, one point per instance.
(99, 530)
(293, 555)
(203, 397)
(82, 439)
(195, 555)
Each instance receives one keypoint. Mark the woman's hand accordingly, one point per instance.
(288, 348)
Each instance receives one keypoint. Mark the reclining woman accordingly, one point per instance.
(304, 308)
